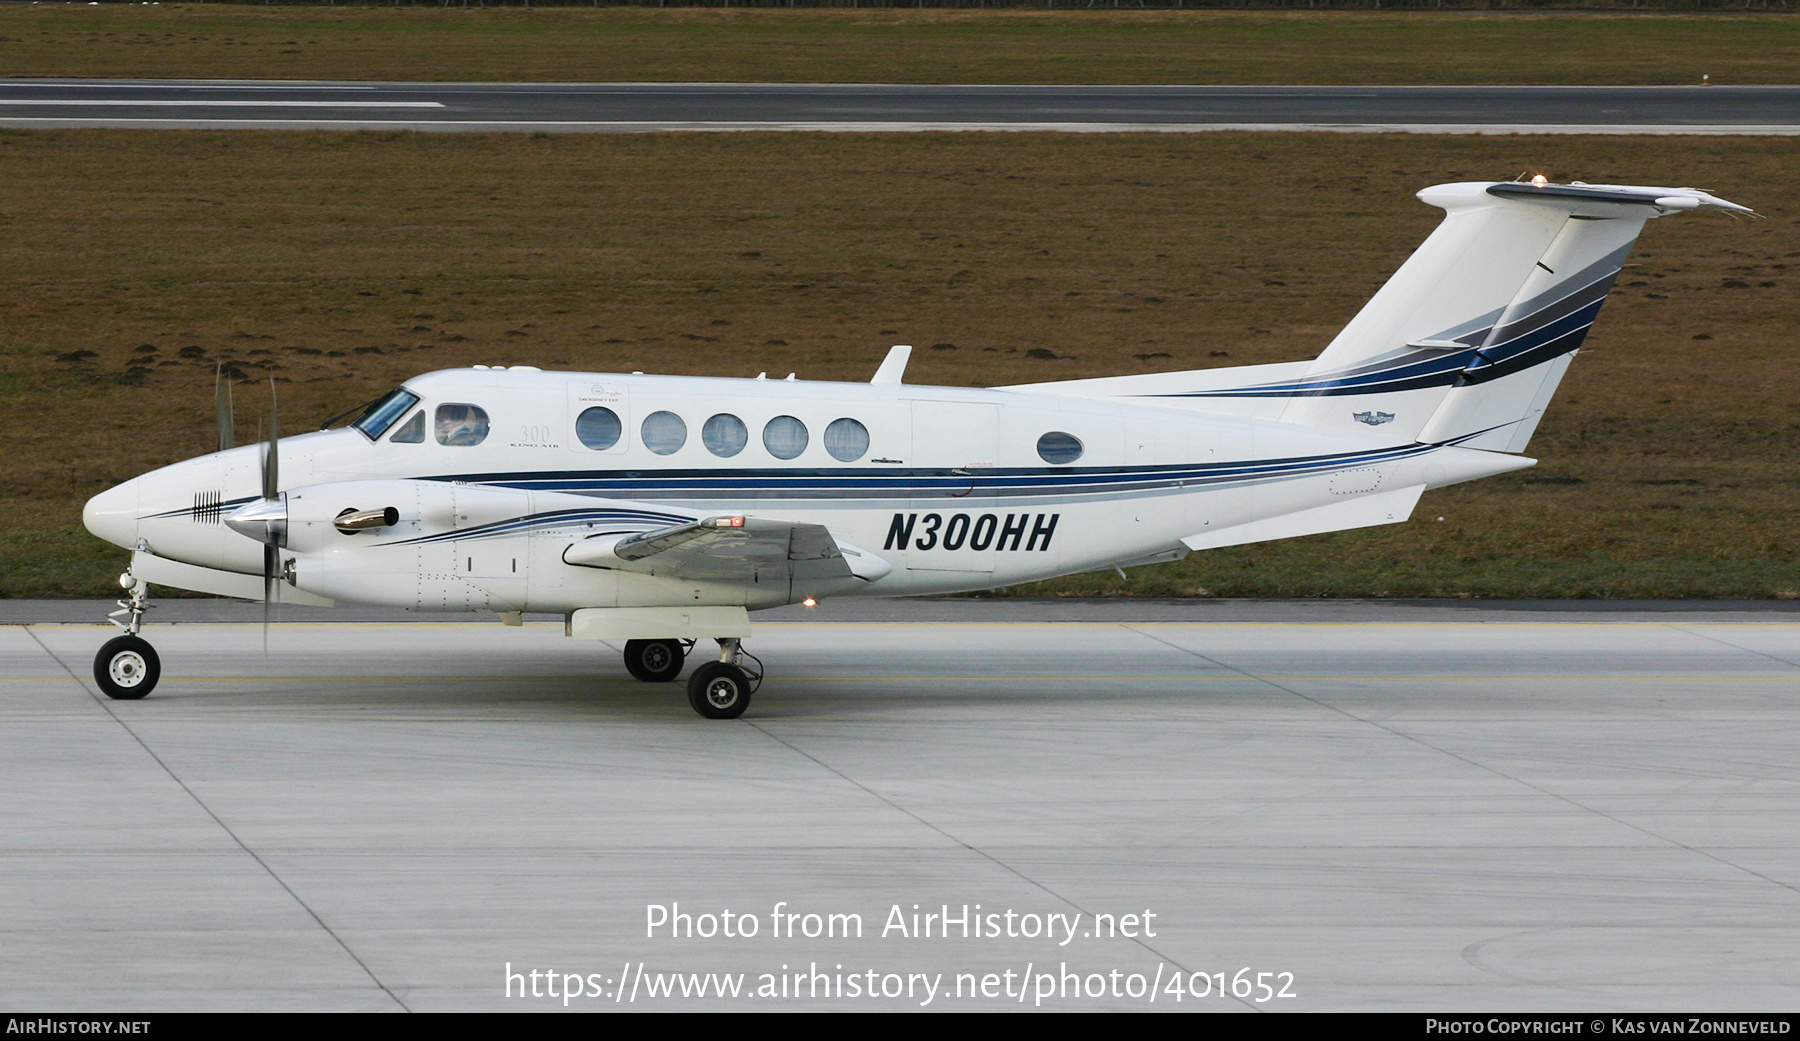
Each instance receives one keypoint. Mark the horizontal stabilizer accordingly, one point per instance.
(1362, 512)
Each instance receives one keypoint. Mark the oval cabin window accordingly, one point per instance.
(1058, 447)
(785, 437)
(664, 433)
(846, 440)
(724, 435)
(460, 425)
(598, 428)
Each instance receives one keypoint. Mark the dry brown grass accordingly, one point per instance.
(900, 46)
(344, 263)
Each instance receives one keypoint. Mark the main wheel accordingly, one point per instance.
(719, 691)
(654, 661)
(127, 668)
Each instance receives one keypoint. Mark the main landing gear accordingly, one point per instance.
(656, 661)
(721, 689)
(718, 689)
(127, 667)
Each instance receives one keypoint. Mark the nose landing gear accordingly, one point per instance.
(127, 667)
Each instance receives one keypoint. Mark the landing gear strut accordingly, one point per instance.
(721, 689)
(127, 667)
(656, 661)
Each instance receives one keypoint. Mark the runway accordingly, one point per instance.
(628, 107)
(1404, 806)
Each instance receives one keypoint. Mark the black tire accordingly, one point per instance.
(719, 691)
(127, 668)
(654, 661)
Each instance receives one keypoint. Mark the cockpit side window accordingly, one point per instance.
(381, 415)
(460, 425)
(412, 432)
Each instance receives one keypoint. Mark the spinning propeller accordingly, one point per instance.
(264, 520)
(222, 401)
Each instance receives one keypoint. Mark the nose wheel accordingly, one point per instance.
(127, 668)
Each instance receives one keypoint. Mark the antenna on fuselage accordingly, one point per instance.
(894, 365)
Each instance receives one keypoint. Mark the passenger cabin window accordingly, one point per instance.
(664, 433)
(460, 425)
(412, 432)
(846, 440)
(785, 437)
(1058, 447)
(378, 417)
(598, 428)
(724, 435)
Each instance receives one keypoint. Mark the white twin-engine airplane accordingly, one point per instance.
(661, 510)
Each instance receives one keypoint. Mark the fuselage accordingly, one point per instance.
(958, 489)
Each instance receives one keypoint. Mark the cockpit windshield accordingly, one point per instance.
(383, 413)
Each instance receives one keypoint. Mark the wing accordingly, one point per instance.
(738, 549)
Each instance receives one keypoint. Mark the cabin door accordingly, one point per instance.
(953, 527)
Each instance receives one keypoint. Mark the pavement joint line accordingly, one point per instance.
(984, 854)
(1496, 771)
(1746, 650)
(1235, 676)
(1047, 623)
(226, 828)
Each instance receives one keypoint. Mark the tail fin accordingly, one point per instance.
(1468, 340)
(1471, 336)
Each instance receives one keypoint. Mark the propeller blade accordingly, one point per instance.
(271, 485)
(271, 470)
(222, 402)
(271, 561)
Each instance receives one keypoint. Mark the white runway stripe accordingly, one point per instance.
(245, 103)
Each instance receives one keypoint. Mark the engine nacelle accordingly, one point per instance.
(410, 543)
(449, 546)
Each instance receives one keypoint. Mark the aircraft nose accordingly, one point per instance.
(113, 515)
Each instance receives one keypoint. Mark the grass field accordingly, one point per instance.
(342, 263)
(898, 46)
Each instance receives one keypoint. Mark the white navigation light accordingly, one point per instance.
(1540, 180)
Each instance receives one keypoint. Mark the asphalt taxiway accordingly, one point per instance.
(1406, 806)
(626, 107)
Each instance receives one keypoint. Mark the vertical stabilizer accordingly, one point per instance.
(1501, 394)
(1467, 341)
